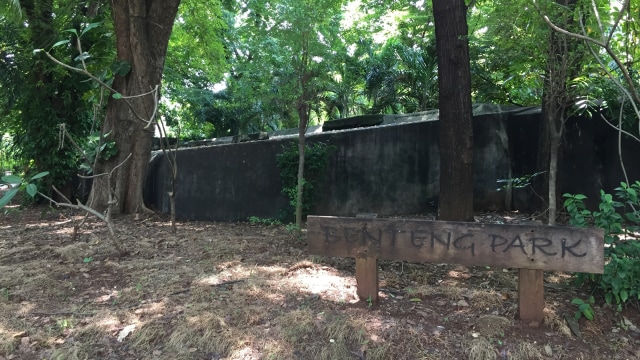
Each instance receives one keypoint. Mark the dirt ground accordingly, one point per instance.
(250, 291)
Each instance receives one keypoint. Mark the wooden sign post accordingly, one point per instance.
(531, 249)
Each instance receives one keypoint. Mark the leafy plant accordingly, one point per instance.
(293, 231)
(620, 219)
(264, 221)
(585, 308)
(7, 162)
(16, 183)
(315, 165)
(95, 146)
(518, 182)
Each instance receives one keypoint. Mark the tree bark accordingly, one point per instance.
(456, 127)
(556, 99)
(302, 129)
(142, 31)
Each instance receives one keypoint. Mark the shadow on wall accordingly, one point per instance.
(387, 165)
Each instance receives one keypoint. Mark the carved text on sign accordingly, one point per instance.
(535, 247)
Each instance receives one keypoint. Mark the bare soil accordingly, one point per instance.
(248, 291)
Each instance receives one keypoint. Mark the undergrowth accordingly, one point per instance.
(619, 216)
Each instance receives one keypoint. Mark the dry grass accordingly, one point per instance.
(481, 349)
(555, 321)
(241, 291)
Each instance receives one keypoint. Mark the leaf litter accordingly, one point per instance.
(246, 291)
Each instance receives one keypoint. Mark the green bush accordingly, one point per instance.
(620, 219)
(315, 166)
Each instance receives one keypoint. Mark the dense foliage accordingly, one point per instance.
(235, 67)
(317, 157)
(37, 96)
(619, 216)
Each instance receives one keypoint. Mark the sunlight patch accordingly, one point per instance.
(322, 282)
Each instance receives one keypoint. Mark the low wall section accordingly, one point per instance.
(389, 169)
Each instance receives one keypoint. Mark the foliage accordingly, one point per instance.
(401, 78)
(264, 221)
(94, 146)
(37, 96)
(316, 157)
(620, 219)
(585, 308)
(16, 184)
(519, 182)
(7, 162)
(195, 63)
(506, 65)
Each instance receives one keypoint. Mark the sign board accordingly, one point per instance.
(512, 246)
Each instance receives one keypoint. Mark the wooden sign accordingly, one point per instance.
(513, 246)
(531, 249)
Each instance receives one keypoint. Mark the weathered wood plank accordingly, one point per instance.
(513, 246)
(367, 279)
(531, 295)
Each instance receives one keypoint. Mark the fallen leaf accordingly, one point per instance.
(126, 331)
(573, 325)
(548, 350)
(24, 342)
(19, 334)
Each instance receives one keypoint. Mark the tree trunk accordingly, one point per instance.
(300, 189)
(303, 112)
(456, 127)
(556, 99)
(142, 32)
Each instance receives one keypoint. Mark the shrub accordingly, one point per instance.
(620, 219)
(315, 165)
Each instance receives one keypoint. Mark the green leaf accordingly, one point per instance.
(32, 190)
(588, 313)
(117, 96)
(85, 55)
(39, 175)
(61, 42)
(8, 196)
(577, 301)
(608, 297)
(121, 68)
(415, 300)
(73, 31)
(89, 27)
(624, 296)
(12, 179)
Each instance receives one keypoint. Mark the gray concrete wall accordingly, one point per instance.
(390, 169)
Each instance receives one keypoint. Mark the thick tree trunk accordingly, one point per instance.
(142, 32)
(456, 128)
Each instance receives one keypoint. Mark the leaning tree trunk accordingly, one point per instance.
(142, 29)
(456, 127)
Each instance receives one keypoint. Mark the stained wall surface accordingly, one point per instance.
(388, 169)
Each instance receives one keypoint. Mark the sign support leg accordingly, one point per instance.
(531, 295)
(367, 279)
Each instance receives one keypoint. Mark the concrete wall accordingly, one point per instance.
(390, 169)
